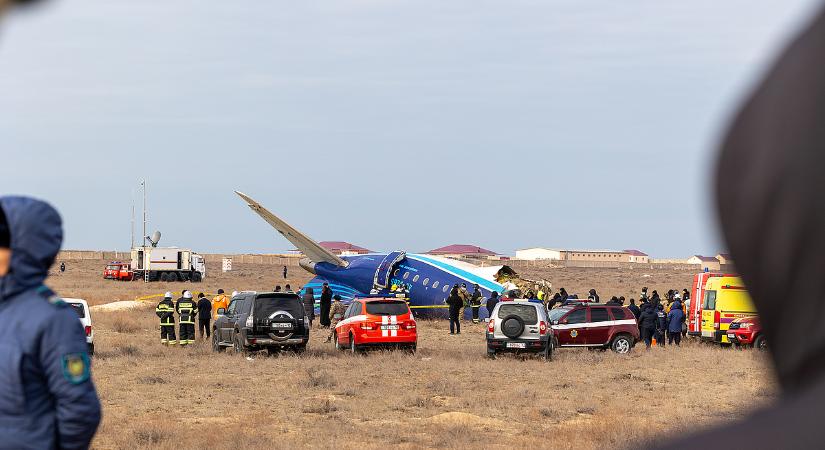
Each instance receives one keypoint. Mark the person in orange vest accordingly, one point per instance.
(220, 301)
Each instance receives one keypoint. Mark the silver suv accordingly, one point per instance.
(519, 327)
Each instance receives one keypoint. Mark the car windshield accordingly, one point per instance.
(385, 308)
(556, 313)
(113, 267)
(528, 313)
(266, 305)
(78, 308)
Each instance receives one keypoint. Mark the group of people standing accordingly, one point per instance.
(460, 298)
(660, 321)
(187, 311)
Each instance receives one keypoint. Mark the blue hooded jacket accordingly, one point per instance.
(47, 398)
(675, 318)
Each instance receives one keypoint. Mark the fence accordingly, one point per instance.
(211, 258)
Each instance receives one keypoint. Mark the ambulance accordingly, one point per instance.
(724, 301)
(697, 294)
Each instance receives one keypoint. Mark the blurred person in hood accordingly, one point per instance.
(47, 398)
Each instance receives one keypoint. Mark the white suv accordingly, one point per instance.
(520, 327)
(82, 309)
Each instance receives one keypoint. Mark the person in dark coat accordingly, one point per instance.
(47, 397)
(634, 309)
(326, 304)
(456, 303)
(204, 315)
(554, 301)
(62, 267)
(769, 191)
(647, 324)
(593, 297)
(309, 304)
(491, 303)
(285, 272)
(661, 324)
(563, 294)
(613, 302)
(675, 319)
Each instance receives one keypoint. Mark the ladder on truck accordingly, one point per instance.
(145, 267)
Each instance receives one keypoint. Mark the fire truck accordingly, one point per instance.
(117, 270)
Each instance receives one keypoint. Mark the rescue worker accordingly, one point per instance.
(661, 324)
(647, 324)
(475, 302)
(643, 298)
(166, 312)
(47, 397)
(491, 303)
(593, 297)
(336, 314)
(675, 319)
(464, 294)
(285, 272)
(456, 304)
(204, 315)
(309, 304)
(613, 302)
(634, 309)
(326, 304)
(186, 309)
(220, 301)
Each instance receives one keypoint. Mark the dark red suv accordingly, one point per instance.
(747, 331)
(594, 325)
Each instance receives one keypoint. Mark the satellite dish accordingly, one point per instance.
(154, 239)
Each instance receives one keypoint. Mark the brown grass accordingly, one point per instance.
(448, 395)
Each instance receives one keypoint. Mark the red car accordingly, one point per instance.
(747, 331)
(376, 322)
(594, 325)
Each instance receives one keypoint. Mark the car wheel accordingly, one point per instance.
(548, 351)
(91, 349)
(621, 344)
(236, 344)
(491, 353)
(337, 344)
(273, 351)
(216, 343)
(352, 347)
(512, 326)
(300, 349)
(760, 343)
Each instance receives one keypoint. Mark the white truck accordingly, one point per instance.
(167, 264)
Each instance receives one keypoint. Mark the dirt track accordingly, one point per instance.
(449, 395)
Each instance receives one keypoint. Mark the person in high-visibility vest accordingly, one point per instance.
(220, 301)
(186, 309)
(166, 312)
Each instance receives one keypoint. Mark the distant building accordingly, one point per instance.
(341, 248)
(463, 251)
(705, 262)
(724, 259)
(550, 254)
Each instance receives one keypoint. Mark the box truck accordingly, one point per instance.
(167, 264)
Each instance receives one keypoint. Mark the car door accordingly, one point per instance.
(570, 332)
(343, 336)
(229, 320)
(598, 326)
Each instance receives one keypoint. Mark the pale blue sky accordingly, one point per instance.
(393, 125)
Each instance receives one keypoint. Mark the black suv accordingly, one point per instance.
(262, 320)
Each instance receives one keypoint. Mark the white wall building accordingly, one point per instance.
(532, 254)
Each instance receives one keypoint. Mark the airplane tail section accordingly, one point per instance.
(302, 242)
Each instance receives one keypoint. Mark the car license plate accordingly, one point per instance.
(516, 345)
(282, 326)
(389, 327)
(731, 336)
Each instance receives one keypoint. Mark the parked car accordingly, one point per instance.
(594, 326)
(377, 323)
(747, 331)
(519, 327)
(262, 320)
(82, 309)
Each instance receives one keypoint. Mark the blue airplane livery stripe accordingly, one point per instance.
(491, 285)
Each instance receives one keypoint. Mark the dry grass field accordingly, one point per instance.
(448, 395)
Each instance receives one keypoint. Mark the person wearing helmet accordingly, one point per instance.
(47, 397)
(186, 308)
(165, 310)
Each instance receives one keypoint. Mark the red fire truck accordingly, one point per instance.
(117, 270)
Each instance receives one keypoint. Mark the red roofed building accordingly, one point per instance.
(637, 256)
(343, 248)
(462, 251)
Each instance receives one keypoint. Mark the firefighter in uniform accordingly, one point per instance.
(336, 314)
(165, 311)
(186, 309)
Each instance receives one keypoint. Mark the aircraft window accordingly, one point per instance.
(445, 288)
(435, 284)
(415, 278)
(406, 275)
(396, 272)
(426, 281)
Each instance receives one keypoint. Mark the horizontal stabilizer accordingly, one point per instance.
(302, 242)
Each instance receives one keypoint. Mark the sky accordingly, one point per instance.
(389, 124)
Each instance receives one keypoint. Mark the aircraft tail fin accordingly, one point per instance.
(302, 242)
